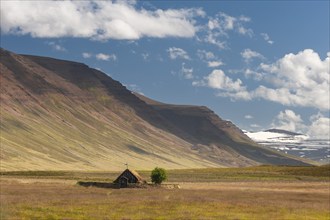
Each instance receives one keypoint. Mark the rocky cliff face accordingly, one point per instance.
(63, 115)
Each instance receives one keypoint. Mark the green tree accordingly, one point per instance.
(158, 175)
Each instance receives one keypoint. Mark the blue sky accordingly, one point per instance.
(260, 64)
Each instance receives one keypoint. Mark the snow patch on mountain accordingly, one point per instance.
(277, 136)
(293, 143)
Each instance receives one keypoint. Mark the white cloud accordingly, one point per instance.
(217, 79)
(319, 126)
(245, 31)
(100, 56)
(227, 21)
(212, 38)
(248, 116)
(242, 94)
(209, 58)
(187, 72)
(101, 20)
(56, 46)
(175, 53)
(205, 55)
(215, 63)
(290, 121)
(226, 86)
(301, 79)
(255, 126)
(248, 55)
(145, 56)
(248, 73)
(106, 57)
(244, 18)
(266, 37)
(134, 88)
(86, 55)
(217, 30)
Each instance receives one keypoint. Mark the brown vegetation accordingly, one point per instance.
(253, 200)
(287, 193)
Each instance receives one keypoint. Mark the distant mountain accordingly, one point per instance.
(280, 131)
(63, 115)
(292, 143)
(276, 135)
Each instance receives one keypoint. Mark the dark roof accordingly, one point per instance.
(133, 172)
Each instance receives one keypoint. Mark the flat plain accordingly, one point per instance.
(264, 192)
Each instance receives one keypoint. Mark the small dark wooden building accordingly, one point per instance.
(129, 177)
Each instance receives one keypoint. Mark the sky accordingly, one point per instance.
(259, 64)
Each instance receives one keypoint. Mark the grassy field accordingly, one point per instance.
(194, 175)
(229, 193)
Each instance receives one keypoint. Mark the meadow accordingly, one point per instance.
(264, 192)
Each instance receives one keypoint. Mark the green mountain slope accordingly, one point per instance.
(62, 115)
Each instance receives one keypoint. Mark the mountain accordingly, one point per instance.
(63, 115)
(280, 131)
(292, 143)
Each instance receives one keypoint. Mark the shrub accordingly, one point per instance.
(158, 175)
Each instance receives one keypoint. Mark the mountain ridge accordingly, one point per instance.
(69, 116)
(281, 131)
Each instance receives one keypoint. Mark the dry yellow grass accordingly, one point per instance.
(23, 198)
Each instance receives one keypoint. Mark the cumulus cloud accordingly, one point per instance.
(209, 57)
(250, 73)
(101, 20)
(290, 121)
(215, 63)
(213, 38)
(56, 46)
(86, 55)
(145, 56)
(266, 37)
(205, 55)
(319, 126)
(248, 116)
(218, 80)
(223, 22)
(219, 27)
(100, 56)
(245, 31)
(301, 79)
(248, 55)
(226, 86)
(106, 57)
(187, 72)
(175, 52)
